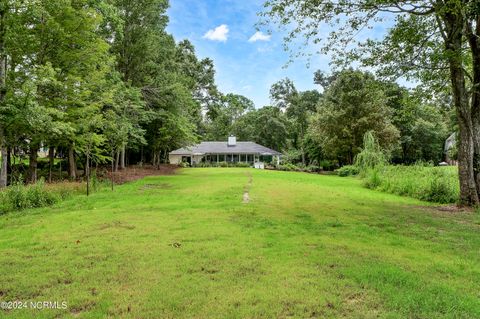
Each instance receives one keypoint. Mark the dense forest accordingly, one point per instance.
(100, 82)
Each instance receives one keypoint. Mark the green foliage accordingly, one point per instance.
(222, 164)
(184, 164)
(422, 125)
(425, 182)
(371, 156)
(18, 196)
(327, 165)
(313, 168)
(228, 117)
(348, 170)
(291, 156)
(351, 106)
(288, 167)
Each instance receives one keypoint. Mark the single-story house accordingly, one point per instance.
(228, 151)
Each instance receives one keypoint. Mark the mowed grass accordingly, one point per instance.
(185, 246)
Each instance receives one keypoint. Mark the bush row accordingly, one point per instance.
(299, 168)
(433, 184)
(421, 181)
(19, 196)
(348, 170)
(215, 164)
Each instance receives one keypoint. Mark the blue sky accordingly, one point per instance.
(221, 30)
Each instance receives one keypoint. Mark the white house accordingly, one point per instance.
(229, 151)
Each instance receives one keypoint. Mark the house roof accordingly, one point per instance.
(223, 148)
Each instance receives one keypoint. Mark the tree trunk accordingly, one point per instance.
(473, 34)
(3, 91)
(32, 167)
(117, 160)
(4, 167)
(112, 168)
(60, 168)
(51, 156)
(122, 157)
(9, 163)
(72, 165)
(469, 195)
(87, 173)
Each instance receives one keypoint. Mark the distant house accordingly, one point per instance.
(228, 151)
(450, 144)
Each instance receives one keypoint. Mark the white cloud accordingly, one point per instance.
(220, 33)
(259, 36)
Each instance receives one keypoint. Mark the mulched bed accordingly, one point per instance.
(135, 172)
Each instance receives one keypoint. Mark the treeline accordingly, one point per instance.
(100, 82)
(327, 129)
(94, 81)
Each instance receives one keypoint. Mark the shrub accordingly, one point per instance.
(243, 165)
(421, 181)
(312, 169)
(348, 170)
(222, 164)
(327, 165)
(371, 156)
(288, 167)
(184, 164)
(372, 178)
(19, 196)
(291, 156)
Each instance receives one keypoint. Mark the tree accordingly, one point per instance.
(283, 93)
(298, 107)
(299, 111)
(267, 126)
(431, 40)
(225, 115)
(421, 123)
(351, 106)
(3, 71)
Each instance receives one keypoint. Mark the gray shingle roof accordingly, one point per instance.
(223, 148)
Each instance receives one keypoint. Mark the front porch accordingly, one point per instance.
(231, 158)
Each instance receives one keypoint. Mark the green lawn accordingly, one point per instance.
(185, 246)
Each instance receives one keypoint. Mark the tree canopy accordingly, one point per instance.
(434, 41)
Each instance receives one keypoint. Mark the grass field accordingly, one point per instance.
(186, 246)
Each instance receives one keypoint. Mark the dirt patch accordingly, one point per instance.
(116, 224)
(135, 172)
(246, 189)
(87, 306)
(156, 186)
(447, 209)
